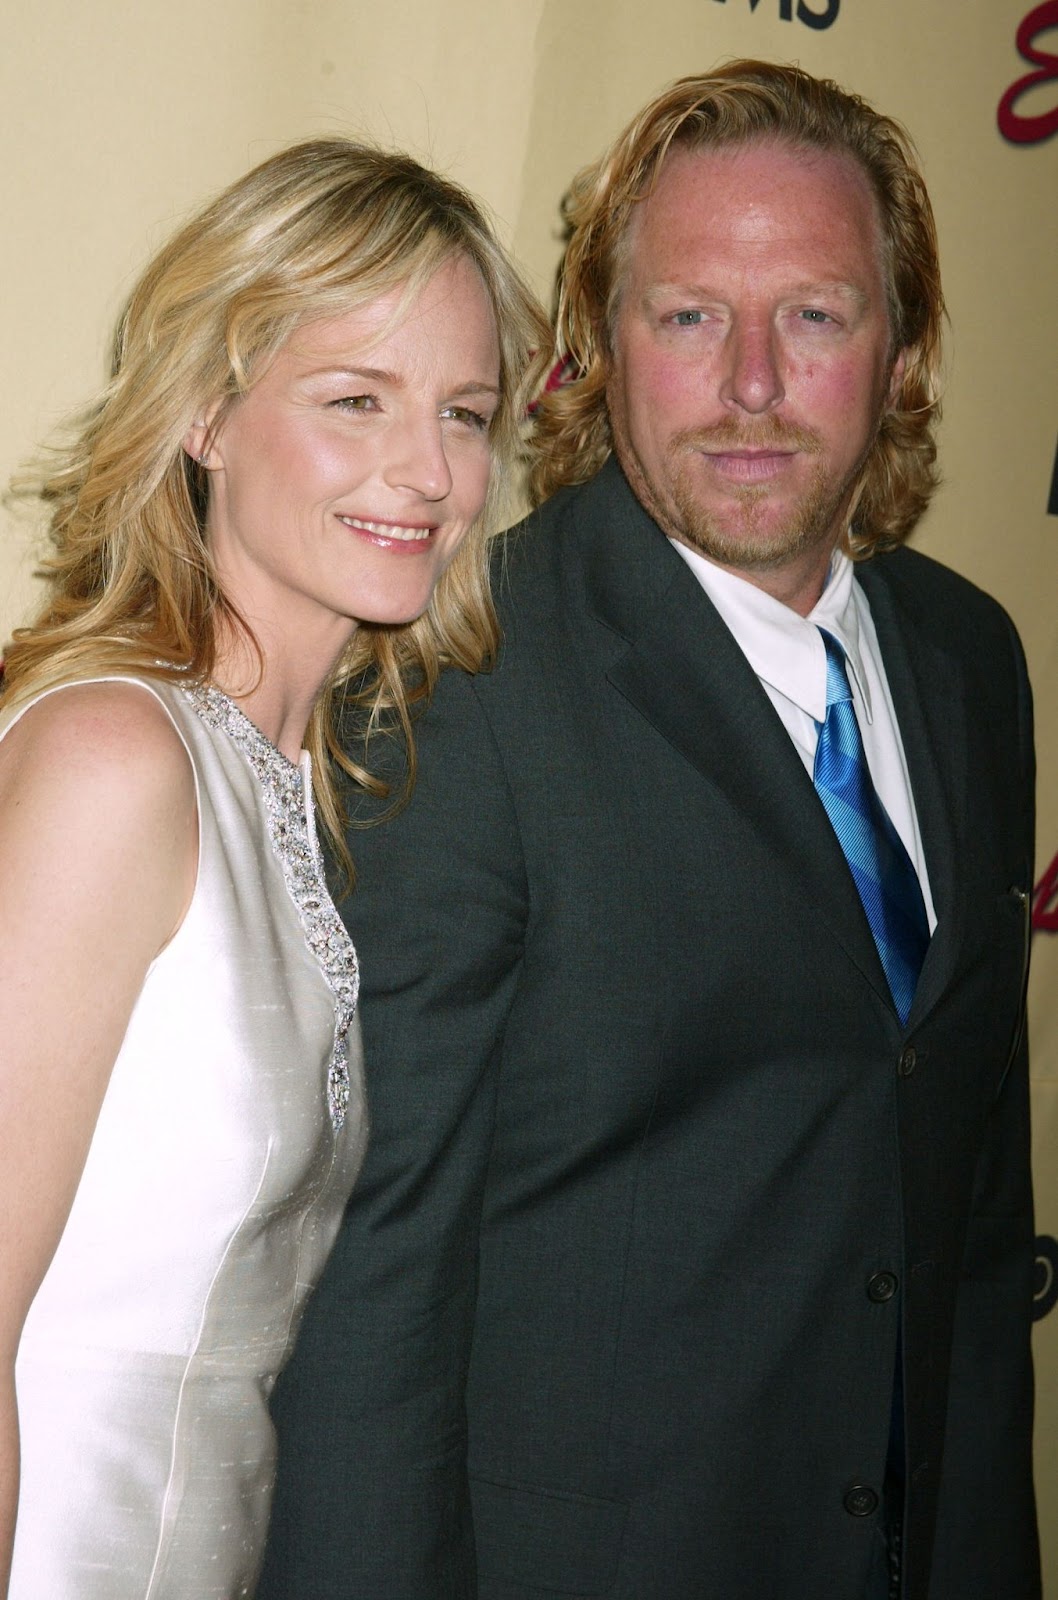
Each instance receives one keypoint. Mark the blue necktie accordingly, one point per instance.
(887, 882)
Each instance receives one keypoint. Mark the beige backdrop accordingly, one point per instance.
(122, 116)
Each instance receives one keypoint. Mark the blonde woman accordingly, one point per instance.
(283, 497)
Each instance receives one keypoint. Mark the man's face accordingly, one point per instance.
(751, 357)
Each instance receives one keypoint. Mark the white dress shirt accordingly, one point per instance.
(786, 652)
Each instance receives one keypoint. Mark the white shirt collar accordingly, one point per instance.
(783, 648)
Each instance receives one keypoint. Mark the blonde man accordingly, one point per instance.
(693, 1255)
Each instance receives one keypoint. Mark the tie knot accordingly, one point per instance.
(837, 678)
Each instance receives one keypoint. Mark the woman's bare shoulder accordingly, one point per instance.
(111, 738)
(96, 786)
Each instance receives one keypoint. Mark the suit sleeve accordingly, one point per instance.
(986, 1534)
(372, 1495)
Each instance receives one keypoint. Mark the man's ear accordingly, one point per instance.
(896, 379)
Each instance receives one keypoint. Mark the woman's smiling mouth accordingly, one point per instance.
(388, 530)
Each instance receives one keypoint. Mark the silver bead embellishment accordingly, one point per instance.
(290, 817)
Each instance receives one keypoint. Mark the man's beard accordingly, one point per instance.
(741, 538)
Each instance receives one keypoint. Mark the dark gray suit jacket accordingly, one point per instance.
(612, 1312)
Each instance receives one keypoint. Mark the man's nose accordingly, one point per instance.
(752, 378)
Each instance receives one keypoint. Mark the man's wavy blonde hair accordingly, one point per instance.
(741, 103)
(317, 230)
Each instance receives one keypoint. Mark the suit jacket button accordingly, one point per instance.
(906, 1065)
(860, 1500)
(881, 1286)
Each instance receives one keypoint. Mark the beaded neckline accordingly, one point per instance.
(290, 817)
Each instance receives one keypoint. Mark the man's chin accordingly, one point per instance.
(760, 532)
(750, 549)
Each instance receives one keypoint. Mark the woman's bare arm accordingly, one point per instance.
(98, 850)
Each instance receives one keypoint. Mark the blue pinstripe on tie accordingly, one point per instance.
(887, 882)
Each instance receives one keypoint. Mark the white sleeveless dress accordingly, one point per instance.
(228, 1141)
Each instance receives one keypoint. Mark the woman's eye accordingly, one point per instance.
(355, 402)
(468, 417)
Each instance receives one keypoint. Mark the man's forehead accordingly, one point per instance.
(754, 194)
(753, 168)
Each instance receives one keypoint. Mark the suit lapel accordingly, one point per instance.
(931, 712)
(676, 662)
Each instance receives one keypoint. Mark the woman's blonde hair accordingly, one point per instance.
(742, 103)
(317, 230)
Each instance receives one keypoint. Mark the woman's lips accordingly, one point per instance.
(390, 532)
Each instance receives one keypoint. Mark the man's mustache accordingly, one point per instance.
(769, 433)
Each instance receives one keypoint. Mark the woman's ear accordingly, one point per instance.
(199, 440)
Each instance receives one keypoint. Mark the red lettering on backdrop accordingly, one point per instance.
(1045, 901)
(1030, 130)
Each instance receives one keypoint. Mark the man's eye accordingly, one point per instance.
(687, 319)
(813, 314)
